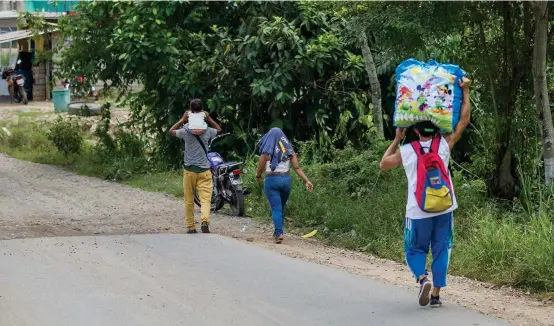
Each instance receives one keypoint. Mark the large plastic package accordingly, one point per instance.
(428, 92)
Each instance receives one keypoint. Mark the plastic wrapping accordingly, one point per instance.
(428, 92)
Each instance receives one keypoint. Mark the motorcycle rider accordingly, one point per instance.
(197, 174)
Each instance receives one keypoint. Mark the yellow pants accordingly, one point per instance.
(203, 183)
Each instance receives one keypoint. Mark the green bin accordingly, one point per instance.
(61, 99)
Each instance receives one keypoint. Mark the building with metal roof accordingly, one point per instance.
(23, 44)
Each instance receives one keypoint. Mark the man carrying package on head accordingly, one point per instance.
(428, 92)
(431, 199)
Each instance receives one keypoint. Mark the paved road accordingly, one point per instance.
(193, 280)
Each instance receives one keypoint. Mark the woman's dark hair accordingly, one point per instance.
(196, 105)
(410, 135)
(426, 128)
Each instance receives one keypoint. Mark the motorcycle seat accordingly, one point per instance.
(226, 165)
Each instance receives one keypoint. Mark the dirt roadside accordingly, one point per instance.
(40, 201)
(14, 114)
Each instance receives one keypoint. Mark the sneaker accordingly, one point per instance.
(205, 228)
(424, 289)
(279, 238)
(191, 231)
(435, 302)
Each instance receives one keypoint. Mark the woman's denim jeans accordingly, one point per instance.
(277, 189)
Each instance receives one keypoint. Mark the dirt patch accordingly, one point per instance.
(39, 200)
(14, 114)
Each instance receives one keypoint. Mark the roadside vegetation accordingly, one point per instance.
(324, 72)
(354, 205)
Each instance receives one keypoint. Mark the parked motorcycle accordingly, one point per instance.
(16, 86)
(227, 183)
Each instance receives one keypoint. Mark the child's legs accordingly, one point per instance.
(417, 237)
(441, 246)
(273, 193)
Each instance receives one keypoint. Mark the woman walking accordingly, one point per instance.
(276, 156)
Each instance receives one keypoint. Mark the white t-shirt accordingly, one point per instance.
(282, 167)
(409, 161)
(197, 120)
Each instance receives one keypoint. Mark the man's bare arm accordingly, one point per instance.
(392, 157)
(465, 115)
(173, 129)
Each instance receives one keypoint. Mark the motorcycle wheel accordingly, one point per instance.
(217, 203)
(23, 95)
(237, 201)
(13, 95)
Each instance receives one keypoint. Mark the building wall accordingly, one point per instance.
(49, 6)
(8, 51)
(38, 5)
(8, 25)
(12, 5)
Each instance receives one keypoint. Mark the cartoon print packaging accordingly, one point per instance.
(428, 91)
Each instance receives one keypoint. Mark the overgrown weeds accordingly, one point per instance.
(353, 205)
(357, 206)
(63, 143)
(66, 136)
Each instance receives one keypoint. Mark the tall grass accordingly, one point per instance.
(31, 142)
(356, 206)
(353, 205)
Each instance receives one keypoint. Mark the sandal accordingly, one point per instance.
(279, 238)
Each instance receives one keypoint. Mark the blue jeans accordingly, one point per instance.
(277, 189)
(437, 231)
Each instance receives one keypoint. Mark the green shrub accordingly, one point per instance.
(357, 206)
(66, 136)
(354, 204)
(122, 155)
(17, 139)
(502, 250)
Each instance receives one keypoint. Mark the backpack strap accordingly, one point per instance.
(201, 144)
(418, 149)
(435, 144)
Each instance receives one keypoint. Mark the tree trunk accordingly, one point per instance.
(502, 184)
(375, 87)
(541, 89)
(513, 72)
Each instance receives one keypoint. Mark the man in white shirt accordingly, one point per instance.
(424, 229)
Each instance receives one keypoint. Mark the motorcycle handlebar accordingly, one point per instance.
(221, 136)
(217, 137)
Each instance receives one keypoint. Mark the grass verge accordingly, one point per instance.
(354, 205)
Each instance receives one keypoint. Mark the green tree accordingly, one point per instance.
(544, 113)
(256, 65)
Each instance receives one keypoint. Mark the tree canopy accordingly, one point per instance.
(300, 66)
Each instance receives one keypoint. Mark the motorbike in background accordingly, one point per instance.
(16, 86)
(227, 183)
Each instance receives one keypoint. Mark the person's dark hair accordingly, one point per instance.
(196, 105)
(426, 128)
